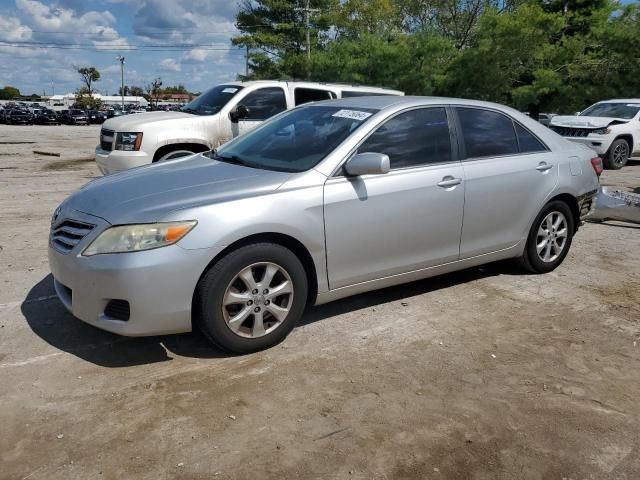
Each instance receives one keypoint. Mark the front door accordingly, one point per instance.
(405, 220)
(262, 104)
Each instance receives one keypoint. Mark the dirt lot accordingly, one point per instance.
(483, 374)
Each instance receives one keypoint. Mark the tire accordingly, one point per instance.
(618, 154)
(223, 280)
(557, 247)
(174, 154)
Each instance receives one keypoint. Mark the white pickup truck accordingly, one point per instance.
(610, 127)
(210, 120)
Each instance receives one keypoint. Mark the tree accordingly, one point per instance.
(275, 33)
(153, 90)
(88, 76)
(136, 91)
(85, 101)
(126, 91)
(9, 93)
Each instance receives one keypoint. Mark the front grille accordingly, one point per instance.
(571, 132)
(106, 139)
(68, 234)
(118, 310)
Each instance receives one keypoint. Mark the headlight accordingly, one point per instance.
(601, 131)
(128, 141)
(134, 238)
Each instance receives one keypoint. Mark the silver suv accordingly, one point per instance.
(321, 202)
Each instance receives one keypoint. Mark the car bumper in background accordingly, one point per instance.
(118, 160)
(599, 145)
(133, 294)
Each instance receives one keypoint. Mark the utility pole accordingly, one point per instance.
(246, 62)
(121, 59)
(307, 20)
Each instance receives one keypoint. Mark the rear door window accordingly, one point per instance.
(487, 133)
(527, 141)
(306, 95)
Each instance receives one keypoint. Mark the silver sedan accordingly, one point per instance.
(321, 202)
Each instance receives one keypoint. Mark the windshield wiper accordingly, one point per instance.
(235, 159)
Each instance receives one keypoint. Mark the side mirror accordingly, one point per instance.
(577, 114)
(367, 163)
(238, 113)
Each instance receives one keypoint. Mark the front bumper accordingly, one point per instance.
(118, 160)
(599, 144)
(158, 285)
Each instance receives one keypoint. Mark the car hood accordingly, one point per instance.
(577, 121)
(150, 193)
(136, 121)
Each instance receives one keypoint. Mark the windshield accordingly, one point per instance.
(615, 110)
(212, 101)
(295, 141)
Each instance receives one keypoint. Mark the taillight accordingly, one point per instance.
(596, 163)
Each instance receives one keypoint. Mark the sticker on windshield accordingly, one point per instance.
(352, 114)
(633, 104)
(230, 90)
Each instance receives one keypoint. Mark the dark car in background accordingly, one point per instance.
(18, 117)
(74, 117)
(46, 117)
(96, 116)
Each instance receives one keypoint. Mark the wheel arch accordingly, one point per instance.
(572, 203)
(628, 137)
(163, 150)
(293, 244)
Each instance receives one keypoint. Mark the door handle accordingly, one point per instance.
(543, 167)
(449, 181)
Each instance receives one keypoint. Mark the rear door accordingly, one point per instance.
(509, 174)
(408, 219)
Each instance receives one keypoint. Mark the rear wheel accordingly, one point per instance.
(549, 239)
(618, 155)
(252, 298)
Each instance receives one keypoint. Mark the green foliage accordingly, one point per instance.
(85, 101)
(536, 55)
(88, 76)
(9, 93)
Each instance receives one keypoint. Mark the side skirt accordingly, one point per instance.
(338, 293)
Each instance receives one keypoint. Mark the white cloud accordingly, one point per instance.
(12, 30)
(169, 65)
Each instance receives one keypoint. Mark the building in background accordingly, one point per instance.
(61, 102)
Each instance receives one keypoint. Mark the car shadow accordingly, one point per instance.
(48, 319)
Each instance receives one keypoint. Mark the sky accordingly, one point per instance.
(182, 41)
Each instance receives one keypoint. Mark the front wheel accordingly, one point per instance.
(174, 154)
(549, 239)
(618, 155)
(252, 298)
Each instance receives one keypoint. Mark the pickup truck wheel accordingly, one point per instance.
(174, 154)
(618, 155)
(252, 298)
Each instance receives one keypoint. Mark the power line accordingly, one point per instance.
(116, 47)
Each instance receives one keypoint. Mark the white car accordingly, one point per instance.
(610, 127)
(214, 118)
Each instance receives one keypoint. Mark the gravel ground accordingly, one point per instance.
(483, 374)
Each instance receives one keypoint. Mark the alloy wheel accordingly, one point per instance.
(258, 300)
(552, 235)
(621, 153)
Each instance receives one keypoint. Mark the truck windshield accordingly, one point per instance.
(615, 110)
(211, 101)
(296, 140)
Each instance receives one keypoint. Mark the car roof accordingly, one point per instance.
(304, 83)
(621, 100)
(381, 102)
